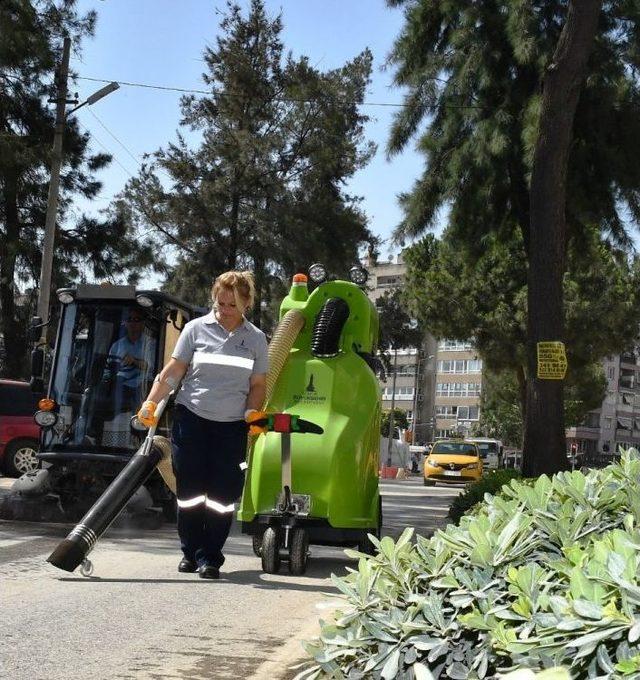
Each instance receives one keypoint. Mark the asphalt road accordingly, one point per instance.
(137, 617)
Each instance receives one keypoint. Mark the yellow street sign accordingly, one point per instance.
(552, 361)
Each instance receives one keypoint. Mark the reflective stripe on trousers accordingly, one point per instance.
(209, 503)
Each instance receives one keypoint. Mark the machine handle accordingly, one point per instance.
(139, 427)
(285, 423)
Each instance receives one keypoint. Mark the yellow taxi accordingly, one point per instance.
(452, 460)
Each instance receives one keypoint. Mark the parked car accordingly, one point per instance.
(19, 434)
(452, 460)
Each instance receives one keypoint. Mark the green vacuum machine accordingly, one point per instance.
(312, 475)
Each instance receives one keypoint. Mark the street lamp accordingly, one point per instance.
(44, 290)
(96, 96)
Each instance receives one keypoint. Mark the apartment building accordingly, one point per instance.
(414, 367)
(616, 424)
(458, 388)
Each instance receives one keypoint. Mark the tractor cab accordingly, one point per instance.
(111, 343)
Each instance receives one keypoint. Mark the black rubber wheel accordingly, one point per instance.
(20, 457)
(256, 544)
(270, 551)
(428, 482)
(298, 551)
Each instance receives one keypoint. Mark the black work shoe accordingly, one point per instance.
(187, 566)
(207, 571)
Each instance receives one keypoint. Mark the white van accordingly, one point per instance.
(490, 451)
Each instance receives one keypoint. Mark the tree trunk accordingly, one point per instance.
(232, 255)
(544, 436)
(10, 327)
(258, 276)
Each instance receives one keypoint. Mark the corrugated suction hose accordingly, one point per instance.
(281, 343)
(164, 465)
(325, 341)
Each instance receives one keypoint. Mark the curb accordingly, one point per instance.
(291, 653)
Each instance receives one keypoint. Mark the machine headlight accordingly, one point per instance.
(432, 463)
(317, 273)
(65, 297)
(45, 418)
(144, 300)
(358, 275)
(473, 466)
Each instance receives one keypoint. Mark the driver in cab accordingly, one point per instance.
(129, 359)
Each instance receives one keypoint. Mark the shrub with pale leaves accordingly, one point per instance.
(544, 575)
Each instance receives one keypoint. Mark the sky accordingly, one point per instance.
(160, 42)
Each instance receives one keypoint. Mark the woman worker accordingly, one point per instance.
(221, 359)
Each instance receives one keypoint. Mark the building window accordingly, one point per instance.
(454, 346)
(405, 369)
(402, 393)
(458, 389)
(468, 413)
(460, 366)
(623, 423)
(446, 411)
(607, 423)
(387, 281)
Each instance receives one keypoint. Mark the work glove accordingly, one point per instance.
(147, 413)
(257, 421)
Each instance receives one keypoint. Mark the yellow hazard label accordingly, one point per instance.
(552, 361)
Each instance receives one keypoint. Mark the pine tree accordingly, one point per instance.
(31, 33)
(264, 188)
(479, 74)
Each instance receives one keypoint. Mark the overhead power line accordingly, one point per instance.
(186, 90)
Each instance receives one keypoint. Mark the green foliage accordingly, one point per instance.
(501, 401)
(545, 574)
(501, 408)
(473, 71)
(490, 483)
(264, 190)
(397, 328)
(458, 294)
(399, 420)
(31, 40)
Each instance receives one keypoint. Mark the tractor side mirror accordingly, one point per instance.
(37, 369)
(35, 329)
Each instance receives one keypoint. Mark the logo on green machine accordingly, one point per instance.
(310, 395)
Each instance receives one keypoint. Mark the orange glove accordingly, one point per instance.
(147, 414)
(252, 416)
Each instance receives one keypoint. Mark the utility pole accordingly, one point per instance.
(416, 382)
(44, 291)
(392, 414)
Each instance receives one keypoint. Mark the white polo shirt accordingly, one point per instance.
(216, 383)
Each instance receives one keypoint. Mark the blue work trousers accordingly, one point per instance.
(208, 459)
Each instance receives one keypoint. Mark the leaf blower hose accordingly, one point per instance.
(71, 552)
